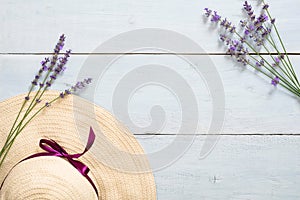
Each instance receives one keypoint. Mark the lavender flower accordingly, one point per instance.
(277, 60)
(78, 86)
(247, 7)
(275, 81)
(59, 46)
(215, 17)
(44, 62)
(208, 12)
(62, 62)
(51, 69)
(243, 23)
(255, 32)
(266, 6)
(227, 25)
(262, 18)
(249, 11)
(273, 21)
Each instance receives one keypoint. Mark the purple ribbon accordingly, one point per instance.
(52, 148)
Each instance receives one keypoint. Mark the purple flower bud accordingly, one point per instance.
(47, 104)
(88, 80)
(224, 22)
(222, 37)
(215, 17)
(53, 76)
(258, 64)
(208, 12)
(259, 28)
(275, 81)
(48, 84)
(27, 98)
(41, 85)
(266, 6)
(68, 52)
(235, 43)
(38, 100)
(62, 95)
(262, 18)
(61, 46)
(62, 37)
(53, 62)
(273, 21)
(45, 61)
(57, 70)
(34, 82)
(232, 29)
(247, 6)
(243, 39)
(243, 23)
(79, 85)
(262, 62)
(250, 13)
(277, 60)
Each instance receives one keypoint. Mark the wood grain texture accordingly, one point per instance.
(240, 167)
(34, 26)
(257, 156)
(253, 105)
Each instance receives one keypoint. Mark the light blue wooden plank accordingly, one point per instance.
(35, 25)
(253, 105)
(240, 167)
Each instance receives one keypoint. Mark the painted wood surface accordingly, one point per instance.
(34, 26)
(252, 104)
(240, 167)
(257, 156)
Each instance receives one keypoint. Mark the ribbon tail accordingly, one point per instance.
(89, 144)
(92, 183)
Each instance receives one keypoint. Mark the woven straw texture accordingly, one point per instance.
(117, 163)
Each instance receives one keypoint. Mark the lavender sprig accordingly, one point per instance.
(43, 87)
(256, 31)
(69, 91)
(46, 76)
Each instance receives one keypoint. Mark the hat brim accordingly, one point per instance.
(118, 165)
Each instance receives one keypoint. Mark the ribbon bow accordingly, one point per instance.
(52, 148)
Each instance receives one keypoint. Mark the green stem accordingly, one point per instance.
(283, 85)
(281, 42)
(19, 113)
(275, 73)
(271, 69)
(284, 71)
(284, 62)
(17, 129)
(21, 128)
(33, 102)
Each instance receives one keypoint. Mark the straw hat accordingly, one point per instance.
(118, 167)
